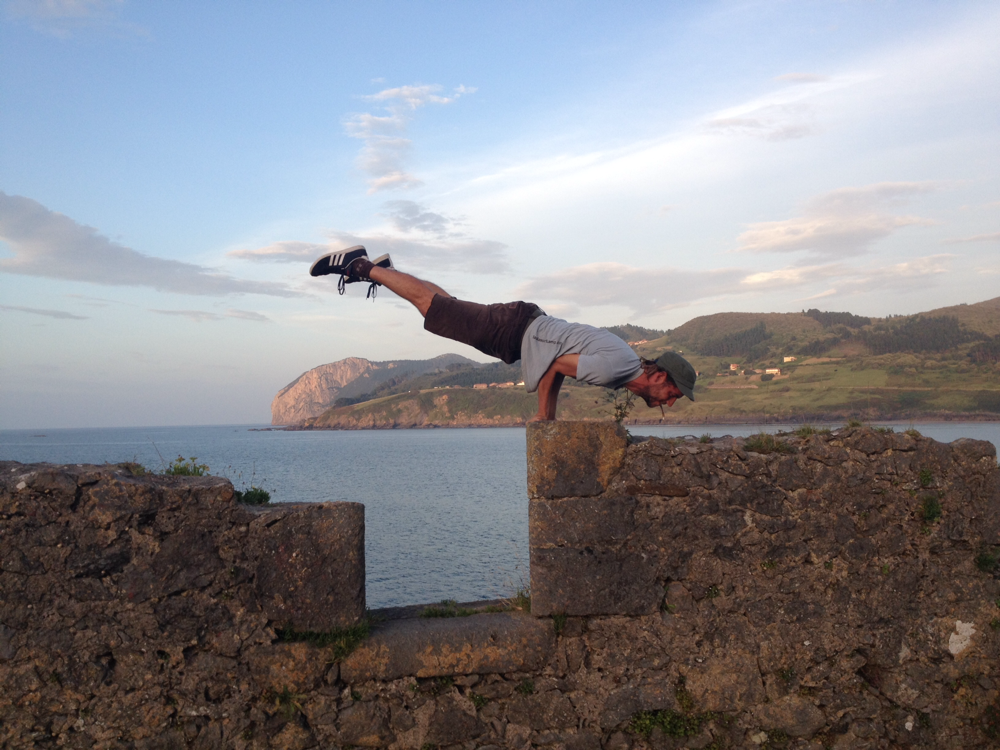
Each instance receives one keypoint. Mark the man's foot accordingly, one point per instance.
(360, 269)
(337, 262)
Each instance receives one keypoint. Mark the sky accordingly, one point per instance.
(169, 171)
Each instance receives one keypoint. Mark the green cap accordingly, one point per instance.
(680, 370)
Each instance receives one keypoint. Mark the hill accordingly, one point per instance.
(831, 365)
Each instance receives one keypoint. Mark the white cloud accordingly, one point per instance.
(47, 313)
(991, 237)
(200, 316)
(386, 149)
(63, 18)
(840, 223)
(641, 289)
(802, 78)
(407, 216)
(648, 290)
(287, 251)
(51, 245)
(431, 241)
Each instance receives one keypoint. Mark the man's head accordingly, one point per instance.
(666, 380)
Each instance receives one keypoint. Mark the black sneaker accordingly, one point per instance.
(337, 262)
(383, 261)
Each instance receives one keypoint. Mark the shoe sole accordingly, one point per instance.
(335, 261)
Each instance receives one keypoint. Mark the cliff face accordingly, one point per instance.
(314, 392)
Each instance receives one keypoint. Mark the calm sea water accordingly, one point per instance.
(446, 511)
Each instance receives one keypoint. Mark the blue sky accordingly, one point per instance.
(168, 171)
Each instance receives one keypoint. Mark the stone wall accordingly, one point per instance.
(838, 591)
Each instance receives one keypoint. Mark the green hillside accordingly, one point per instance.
(942, 363)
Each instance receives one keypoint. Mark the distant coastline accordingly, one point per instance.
(743, 419)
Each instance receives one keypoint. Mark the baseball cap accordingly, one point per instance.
(680, 370)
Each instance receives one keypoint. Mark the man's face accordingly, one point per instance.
(661, 391)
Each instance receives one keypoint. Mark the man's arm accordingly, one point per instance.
(549, 385)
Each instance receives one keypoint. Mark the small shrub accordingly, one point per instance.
(786, 675)
(134, 468)
(526, 687)
(991, 722)
(807, 429)
(766, 378)
(253, 496)
(853, 423)
(713, 592)
(478, 700)
(684, 698)
(995, 623)
(930, 509)
(521, 600)
(287, 702)
(828, 565)
(884, 430)
(926, 477)
(448, 608)
(622, 402)
(340, 641)
(559, 623)
(768, 565)
(183, 467)
(671, 723)
(706, 438)
(913, 433)
(764, 442)
(987, 560)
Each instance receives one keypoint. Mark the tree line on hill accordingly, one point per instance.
(912, 334)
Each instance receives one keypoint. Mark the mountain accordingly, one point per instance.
(315, 391)
(944, 363)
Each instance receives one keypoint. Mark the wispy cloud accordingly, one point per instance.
(420, 239)
(992, 237)
(648, 290)
(63, 18)
(386, 147)
(843, 222)
(201, 316)
(641, 289)
(782, 115)
(802, 78)
(51, 245)
(47, 313)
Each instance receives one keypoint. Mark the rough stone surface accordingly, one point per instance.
(309, 563)
(436, 647)
(802, 598)
(573, 459)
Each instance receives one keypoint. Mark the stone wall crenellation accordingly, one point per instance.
(834, 590)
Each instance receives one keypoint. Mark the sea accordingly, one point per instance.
(446, 510)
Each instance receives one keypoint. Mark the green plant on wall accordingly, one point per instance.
(622, 401)
(186, 467)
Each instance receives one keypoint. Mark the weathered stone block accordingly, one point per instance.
(573, 459)
(310, 560)
(583, 580)
(580, 521)
(479, 644)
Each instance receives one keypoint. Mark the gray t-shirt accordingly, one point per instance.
(604, 358)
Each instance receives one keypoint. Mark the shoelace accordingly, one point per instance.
(372, 288)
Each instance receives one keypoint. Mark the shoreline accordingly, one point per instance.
(743, 419)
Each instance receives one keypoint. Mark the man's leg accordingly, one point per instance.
(416, 291)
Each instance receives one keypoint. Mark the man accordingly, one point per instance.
(549, 348)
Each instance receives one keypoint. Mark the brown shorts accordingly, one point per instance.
(495, 330)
